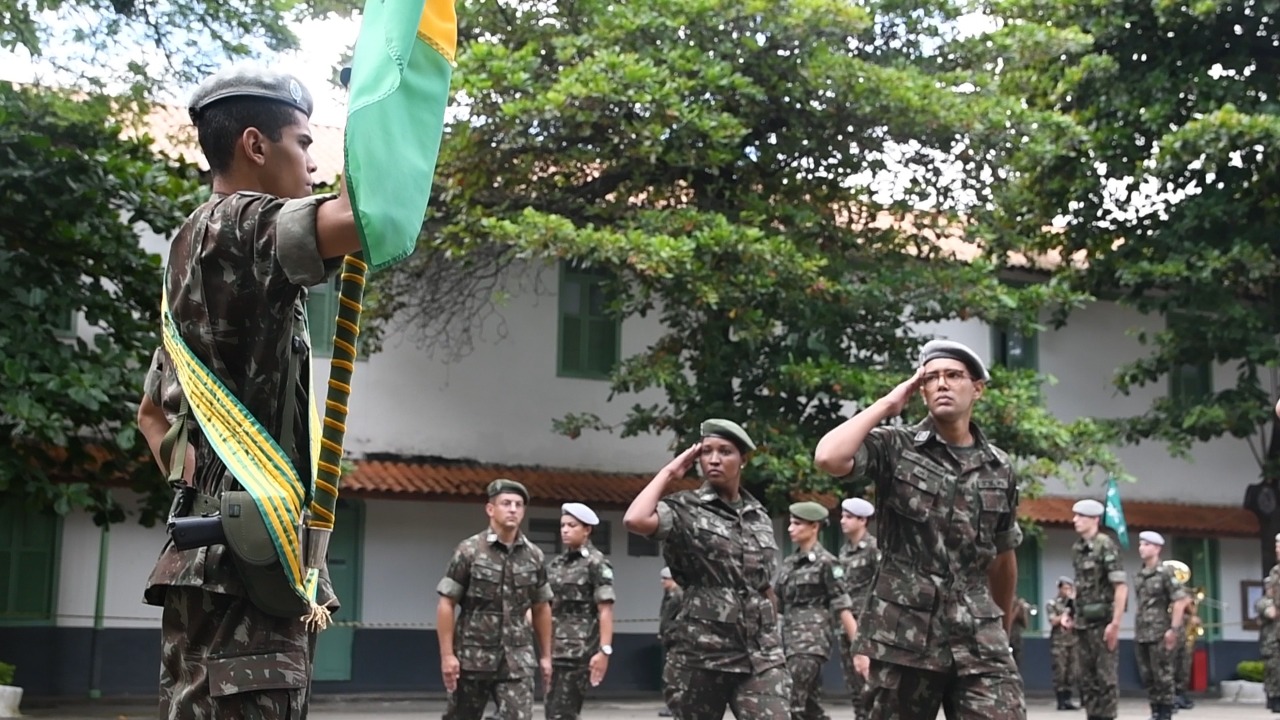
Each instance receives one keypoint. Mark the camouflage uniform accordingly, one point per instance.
(1021, 617)
(724, 645)
(1156, 590)
(1062, 648)
(494, 586)
(810, 590)
(859, 563)
(935, 635)
(236, 277)
(1098, 568)
(1269, 634)
(671, 601)
(580, 580)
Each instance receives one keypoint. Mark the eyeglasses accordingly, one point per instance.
(951, 376)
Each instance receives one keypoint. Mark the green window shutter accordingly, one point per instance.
(28, 554)
(1028, 554)
(1190, 384)
(589, 334)
(1016, 350)
(1201, 555)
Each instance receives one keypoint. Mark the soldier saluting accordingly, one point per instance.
(936, 623)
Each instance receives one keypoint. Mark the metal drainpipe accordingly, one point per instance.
(95, 649)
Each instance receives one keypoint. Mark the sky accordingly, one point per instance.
(321, 43)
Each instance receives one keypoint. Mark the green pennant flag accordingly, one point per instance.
(1114, 515)
(395, 119)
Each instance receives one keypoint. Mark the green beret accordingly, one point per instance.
(503, 485)
(729, 430)
(252, 81)
(811, 511)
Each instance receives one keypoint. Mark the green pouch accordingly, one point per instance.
(1094, 612)
(255, 555)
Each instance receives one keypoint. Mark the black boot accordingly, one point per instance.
(1271, 703)
(1064, 701)
(1184, 702)
(1155, 712)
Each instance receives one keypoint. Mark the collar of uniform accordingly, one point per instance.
(810, 556)
(584, 551)
(491, 537)
(708, 494)
(924, 431)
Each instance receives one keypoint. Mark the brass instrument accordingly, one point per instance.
(1191, 618)
(1181, 572)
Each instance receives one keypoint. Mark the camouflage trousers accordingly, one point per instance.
(567, 691)
(1066, 669)
(1181, 667)
(1098, 672)
(806, 686)
(221, 657)
(696, 694)
(898, 691)
(853, 680)
(512, 696)
(1271, 675)
(1155, 668)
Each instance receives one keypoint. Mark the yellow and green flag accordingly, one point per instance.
(395, 118)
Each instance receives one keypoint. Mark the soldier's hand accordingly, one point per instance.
(449, 669)
(683, 462)
(1270, 612)
(599, 664)
(897, 398)
(862, 665)
(1170, 638)
(545, 665)
(1112, 635)
(1067, 623)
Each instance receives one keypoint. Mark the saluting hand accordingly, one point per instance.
(683, 462)
(897, 398)
(599, 664)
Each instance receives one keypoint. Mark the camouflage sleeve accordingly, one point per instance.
(296, 241)
(543, 594)
(667, 517)
(274, 239)
(456, 576)
(837, 594)
(873, 461)
(602, 579)
(1008, 531)
(1114, 566)
(1177, 591)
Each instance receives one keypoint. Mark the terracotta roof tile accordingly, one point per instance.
(1178, 518)
(451, 479)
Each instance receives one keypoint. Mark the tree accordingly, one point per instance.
(1156, 152)
(751, 173)
(74, 192)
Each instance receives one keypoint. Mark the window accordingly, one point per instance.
(1028, 554)
(1190, 384)
(545, 533)
(1201, 555)
(639, 546)
(1015, 350)
(28, 564)
(590, 332)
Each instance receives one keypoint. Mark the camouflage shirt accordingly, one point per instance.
(236, 278)
(944, 514)
(1268, 628)
(494, 585)
(860, 562)
(810, 590)
(724, 558)
(1156, 590)
(580, 580)
(1060, 606)
(1098, 569)
(667, 612)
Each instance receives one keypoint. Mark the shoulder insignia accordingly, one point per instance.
(922, 436)
(837, 571)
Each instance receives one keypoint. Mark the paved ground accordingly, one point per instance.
(1038, 709)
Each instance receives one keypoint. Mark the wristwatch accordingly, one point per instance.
(606, 649)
